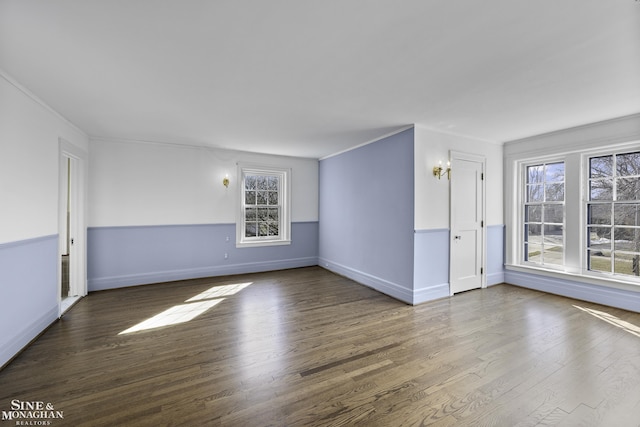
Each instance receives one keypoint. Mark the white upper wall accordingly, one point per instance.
(29, 139)
(134, 183)
(432, 195)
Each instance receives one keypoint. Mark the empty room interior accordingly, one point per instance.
(246, 213)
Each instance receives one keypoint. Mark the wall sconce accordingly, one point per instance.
(438, 171)
(225, 181)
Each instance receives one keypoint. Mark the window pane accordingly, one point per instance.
(599, 238)
(601, 189)
(601, 167)
(627, 239)
(250, 198)
(628, 164)
(262, 214)
(626, 264)
(553, 213)
(273, 229)
(599, 214)
(533, 233)
(261, 198)
(554, 192)
(261, 182)
(273, 214)
(250, 229)
(250, 214)
(535, 193)
(554, 172)
(599, 261)
(263, 229)
(250, 182)
(553, 244)
(533, 213)
(535, 174)
(628, 189)
(627, 214)
(553, 235)
(273, 197)
(272, 183)
(534, 252)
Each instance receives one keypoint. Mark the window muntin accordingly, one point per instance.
(613, 214)
(544, 214)
(263, 217)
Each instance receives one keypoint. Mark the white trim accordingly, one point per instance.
(189, 145)
(395, 132)
(40, 102)
(576, 277)
(615, 131)
(78, 261)
(24, 336)
(574, 287)
(430, 293)
(113, 282)
(391, 289)
(459, 135)
(284, 194)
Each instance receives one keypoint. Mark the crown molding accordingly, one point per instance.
(40, 102)
(395, 132)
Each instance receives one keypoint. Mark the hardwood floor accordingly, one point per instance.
(306, 347)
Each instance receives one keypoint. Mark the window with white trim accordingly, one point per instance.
(544, 214)
(263, 217)
(613, 214)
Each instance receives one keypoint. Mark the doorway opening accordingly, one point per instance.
(72, 231)
(65, 236)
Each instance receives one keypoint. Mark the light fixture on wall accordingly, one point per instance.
(225, 181)
(438, 171)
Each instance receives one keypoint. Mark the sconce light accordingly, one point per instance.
(225, 181)
(438, 171)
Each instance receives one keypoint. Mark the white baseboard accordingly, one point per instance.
(114, 282)
(21, 339)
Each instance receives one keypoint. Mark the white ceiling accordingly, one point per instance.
(314, 77)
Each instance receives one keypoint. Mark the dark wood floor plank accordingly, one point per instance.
(308, 347)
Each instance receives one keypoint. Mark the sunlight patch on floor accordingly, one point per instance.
(175, 315)
(613, 320)
(220, 291)
(190, 309)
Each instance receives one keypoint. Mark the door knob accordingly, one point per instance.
(457, 237)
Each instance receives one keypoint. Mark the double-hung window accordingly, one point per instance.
(544, 214)
(613, 214)
(575, 214)
(263, 217)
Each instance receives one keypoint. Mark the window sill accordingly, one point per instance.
(261, 243)
(577, 277)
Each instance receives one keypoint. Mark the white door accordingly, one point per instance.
(467, 222)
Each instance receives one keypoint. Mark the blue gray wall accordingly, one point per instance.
(366, 214)
(133, 255)
(29, 281)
